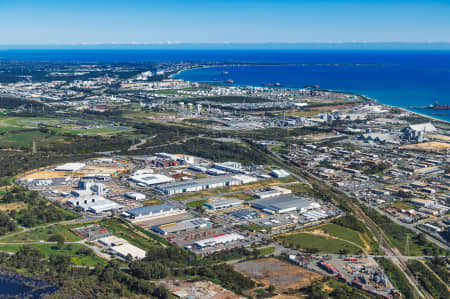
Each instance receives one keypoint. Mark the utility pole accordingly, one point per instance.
(34, 149)
(407, 245)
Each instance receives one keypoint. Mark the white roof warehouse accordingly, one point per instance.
(148, 212)
(151, 179)
(284, 204)
(199, 185)
(218, 240)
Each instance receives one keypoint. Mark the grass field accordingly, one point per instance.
(26, 122)
(43, 234)
(265, 251)
(340, 232)
(299, 188)
(241, 195)
(402, 205)
(25, 138)
(307, 241)
(255, 227)
(152, 202)
(196, 204)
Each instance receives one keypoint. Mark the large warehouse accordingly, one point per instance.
(182, 226)
(218, 240)
(70, 167)
(226, 203)
(150, 179)
(285, 204)
(199, 185)
(148, 212)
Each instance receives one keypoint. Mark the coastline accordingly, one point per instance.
(431, 118)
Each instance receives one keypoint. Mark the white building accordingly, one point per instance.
(218, 240)
(70, 167)
(135, 195)
(95, 204)
(151, 179)
(150, 212)
(280, 173)
(127, 249)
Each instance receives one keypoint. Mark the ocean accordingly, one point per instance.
(402, 78)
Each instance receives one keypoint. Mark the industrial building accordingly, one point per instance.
(95, 204)
(182, 226)
(70, 167)
(234, 167)
(148, 212)
(151, 179)
(279, 173)
(199, 185)
(244, 214)
(285, 204)
(273, 192)
(111, 241)
(222, 204)
(135, 195)
(126, 249)
(224, 239)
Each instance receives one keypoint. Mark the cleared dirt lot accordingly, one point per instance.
(12, 206)
(278, 273)
(427, 146)
(47, 174)
(198, 289)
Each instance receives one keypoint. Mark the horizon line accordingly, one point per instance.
(388, 45)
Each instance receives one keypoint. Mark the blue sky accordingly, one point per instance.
(39, 22)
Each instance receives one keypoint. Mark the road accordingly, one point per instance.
(137, 145)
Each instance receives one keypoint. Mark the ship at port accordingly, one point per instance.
(277, 84)
(436, 106)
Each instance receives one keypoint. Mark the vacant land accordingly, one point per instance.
(314, 242)
(16, 206)
(439, 137)
(153, 202)
(401, 205)
(197, 203)
(427, 146)
(282, 275)
(340, 232)
(299, 188)
(43, 234)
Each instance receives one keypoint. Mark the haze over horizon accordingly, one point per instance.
(175, 22)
